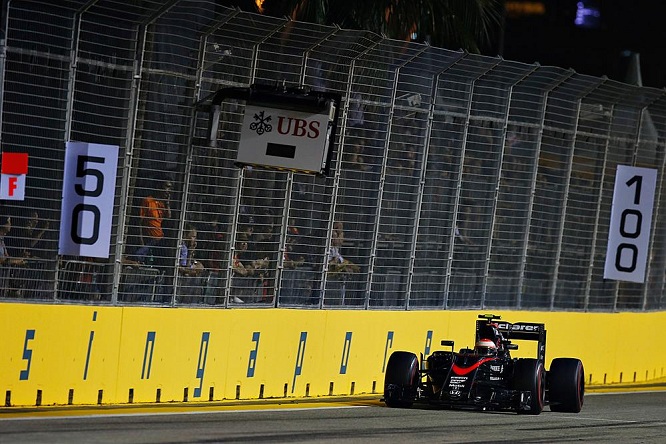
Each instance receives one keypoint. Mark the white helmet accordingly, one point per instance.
(485, 347)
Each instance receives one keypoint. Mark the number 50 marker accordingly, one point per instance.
(88, 193)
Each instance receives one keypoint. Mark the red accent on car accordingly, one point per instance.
(464, 370)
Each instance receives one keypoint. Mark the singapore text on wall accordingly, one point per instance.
(76, 354)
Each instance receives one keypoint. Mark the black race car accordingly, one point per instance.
(487, 377)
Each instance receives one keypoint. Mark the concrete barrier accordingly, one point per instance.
(58, 355)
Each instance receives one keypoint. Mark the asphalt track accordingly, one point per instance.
(626, 417)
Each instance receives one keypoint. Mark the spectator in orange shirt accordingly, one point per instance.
(154, 209)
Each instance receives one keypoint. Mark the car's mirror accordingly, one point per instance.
(511, 346)
(447, 343)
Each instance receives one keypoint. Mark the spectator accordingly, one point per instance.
(189, 269)
(212, 250)
(464, 223)
(356, 157)
(247, 230)
(5, 257)
(25, 246)
(187, 265)
(263, 249)
(9, 286)
(241, 271)
(239, 268)
(127, 262)
(29, 237)
(290, 258)
(154, 209)
(262, 269)
(339, 268)
(461, 237)
(337, 264)
(293, 282)
(338, 235)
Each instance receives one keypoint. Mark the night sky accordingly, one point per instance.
(553, 39)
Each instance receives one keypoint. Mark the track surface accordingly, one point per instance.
(636, 417)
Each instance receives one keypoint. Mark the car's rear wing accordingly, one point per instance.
(527, 331)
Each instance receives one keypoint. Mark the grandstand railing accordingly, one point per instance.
(458, 180)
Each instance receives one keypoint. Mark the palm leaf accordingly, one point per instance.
(454, 24)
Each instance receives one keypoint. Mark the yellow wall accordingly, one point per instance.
(79, 351)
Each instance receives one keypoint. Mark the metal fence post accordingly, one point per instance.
(128, 164)
(590, 268)
(383, 182)
(3, 57)
(336, 180)
(284, 228)
(661, 181)
(71, 82)
(456, 202)
(489, 244)
(422, 178)
(567, 185)
(535, 171)
(645, 112)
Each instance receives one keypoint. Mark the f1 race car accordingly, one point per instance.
(487, 377)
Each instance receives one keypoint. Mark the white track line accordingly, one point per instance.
(47, 415)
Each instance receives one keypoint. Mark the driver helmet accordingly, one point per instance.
(485, 347)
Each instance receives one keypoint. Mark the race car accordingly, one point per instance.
(487, 377)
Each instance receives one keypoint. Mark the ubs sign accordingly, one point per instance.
(286, 139)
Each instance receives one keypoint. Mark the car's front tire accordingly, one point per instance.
(566, 385)
(530, 376)
(401, 379)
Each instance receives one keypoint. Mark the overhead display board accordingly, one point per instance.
(286, 129)
(284, 138)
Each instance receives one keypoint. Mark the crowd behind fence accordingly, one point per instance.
(457, 180)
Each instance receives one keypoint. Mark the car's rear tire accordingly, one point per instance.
(401, 379)
(530, 376)
(566, 385)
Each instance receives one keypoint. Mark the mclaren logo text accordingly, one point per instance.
(518, 327)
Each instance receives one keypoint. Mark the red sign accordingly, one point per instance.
(12, 175)
(14, 163)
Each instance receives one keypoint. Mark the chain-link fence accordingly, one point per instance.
(458, 181)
